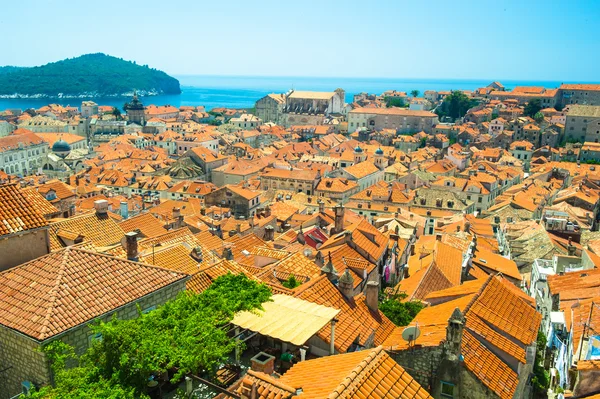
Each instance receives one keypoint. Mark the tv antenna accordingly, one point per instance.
(410, 334)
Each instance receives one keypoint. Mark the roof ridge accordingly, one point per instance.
(54, 290)
(349, 382)
(478, 294)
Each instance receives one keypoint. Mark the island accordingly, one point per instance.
(90, 75)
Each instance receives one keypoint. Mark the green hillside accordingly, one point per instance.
(93, 75)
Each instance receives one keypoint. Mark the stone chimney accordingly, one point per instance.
(321, 206)
(101, 207)
(196, 254)
(454, 333)
(346, 284)
(269, 233)
(467, 227)
(263, 362)
(203, 211)
(571, 250)
(319, 261)
(330, 271)
(176, 213)
(227, 253)
(267, 211)
(339, 219)
(131, 245)
(300, 236)
(373, 296)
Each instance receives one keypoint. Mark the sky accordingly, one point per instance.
(452, 39)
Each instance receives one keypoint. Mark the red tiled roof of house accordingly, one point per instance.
(16, 212)
(55, 292)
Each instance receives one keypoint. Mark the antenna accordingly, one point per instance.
(410, 334)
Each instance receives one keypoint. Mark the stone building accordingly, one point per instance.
(301, 181)
(55, 302)
(88, 108)
(136, 111)
(401, 119)
(583, 123)
(241, 201)
(300, 107)
(22, 152)
(586, 94)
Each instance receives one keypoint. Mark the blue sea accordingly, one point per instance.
(243, 91)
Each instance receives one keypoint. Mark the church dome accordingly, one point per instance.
(379, 151)
(61, 148)
(358, 149)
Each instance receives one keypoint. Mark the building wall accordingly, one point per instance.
(587, 97)
(29, 364)
(19, 160)
(577, 126)
(22, 248)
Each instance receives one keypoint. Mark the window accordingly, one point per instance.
(447, 390)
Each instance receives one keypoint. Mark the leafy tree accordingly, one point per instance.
(400, 313)
(415, 93)
(394, 102)
(558, 107)
(538, 117)
(532, 107)
(455, 105)
(291, 282)
(185, 334)
(116, 113)
(541, 378)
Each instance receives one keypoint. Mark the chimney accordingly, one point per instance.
(346, 284)
(319, 261)
(373, 296)
(268, 211)
(300, 236)
(339, 219)
(321, 206)
(263, 362)
(196, 254)
(467, 227)
(203, 211)
(131, 245)
(438, 237)
(330, 271)
(124, 209)
(238, 228)
(269, 233)
(571, 248)
(176, 213)
(227, 253)
(101, 207)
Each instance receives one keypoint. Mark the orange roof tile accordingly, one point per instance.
(16, 212)
(64, 289)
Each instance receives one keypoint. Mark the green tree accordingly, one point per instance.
(116, 113)
(415, 93)
(400, 313)
(532, 107)
(541, 377)
(291, 282)
(394, 102)
(455, 105)
(538, 117)
(185, 334)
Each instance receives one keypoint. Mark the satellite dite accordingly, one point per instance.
(410, 334)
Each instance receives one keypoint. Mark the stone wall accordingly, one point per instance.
(420, 362)
(21, 360)
(22, 248)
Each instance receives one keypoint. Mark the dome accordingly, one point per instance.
(61, 148)
(379, 151)
(358, 149)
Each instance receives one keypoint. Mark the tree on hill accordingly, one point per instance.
(415, 93)
(532, 107)
(456, 105)
(185, 335)
(394, 102)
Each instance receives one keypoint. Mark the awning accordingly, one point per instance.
(287, 319)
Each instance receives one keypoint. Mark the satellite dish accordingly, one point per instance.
(411, 333)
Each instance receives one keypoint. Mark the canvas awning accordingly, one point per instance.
(287, 319)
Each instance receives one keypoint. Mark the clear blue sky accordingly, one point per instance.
(524, 39)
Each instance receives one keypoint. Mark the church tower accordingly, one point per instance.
(359, 155)
(379, 159)
(135, 111)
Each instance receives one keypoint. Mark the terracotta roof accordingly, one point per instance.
(496, 263)
(38, 201)
(488, 368)
(147, 224)
(101, 230)
(16, 212)
(64, 289)
(361, 375)
(354, 321)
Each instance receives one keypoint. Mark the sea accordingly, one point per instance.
(243, 91)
